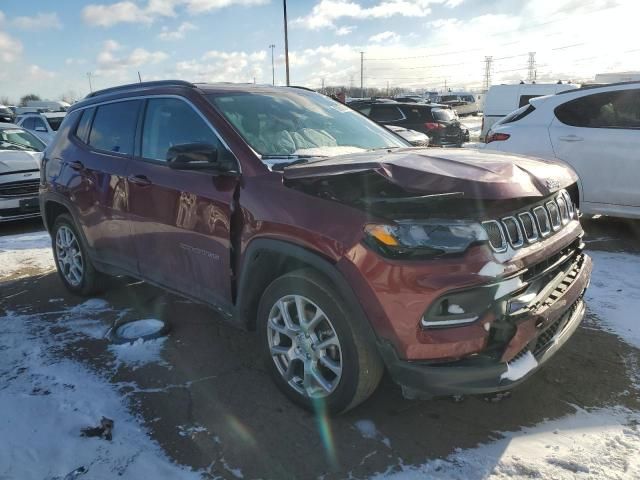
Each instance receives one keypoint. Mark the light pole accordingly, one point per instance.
(273, 70)
(286, 40)
(90, 86)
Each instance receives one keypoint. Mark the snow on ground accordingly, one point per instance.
(22, 255)
(368, 430)
(47, 399)
(598, 444)
(614, 294)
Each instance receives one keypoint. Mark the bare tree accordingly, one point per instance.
(28, 98)
(4, 100)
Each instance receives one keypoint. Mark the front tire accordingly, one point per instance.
(314, 348)
(72, 261)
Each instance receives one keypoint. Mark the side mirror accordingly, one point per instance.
(200, 156)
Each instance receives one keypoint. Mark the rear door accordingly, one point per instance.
(105, 136)
(181, 219)
(599, 136)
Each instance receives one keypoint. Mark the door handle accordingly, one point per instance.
(141, 180)
(571, 138)
(77, 165)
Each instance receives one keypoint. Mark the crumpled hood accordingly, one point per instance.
(473, 173)
(19, 161)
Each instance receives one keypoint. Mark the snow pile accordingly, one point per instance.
(139, 353)
(368, 430)
(520, 367)
(25, 254)
(601, 444)
(614, 293)
(48, 400)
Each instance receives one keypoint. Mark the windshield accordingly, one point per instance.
(18, 139)
(443, 114)
(54, 122)
(296, 123)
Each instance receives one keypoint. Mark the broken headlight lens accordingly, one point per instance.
(424, 238)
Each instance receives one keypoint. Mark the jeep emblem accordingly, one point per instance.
(552, 184)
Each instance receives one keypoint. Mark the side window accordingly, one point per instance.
(619, 109)
(524, 99)
(114, 127)
(169, 122)
(386, 113)
(82, 130)
(38, 123)
(365, 110)
(28, 124)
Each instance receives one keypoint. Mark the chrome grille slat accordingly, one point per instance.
(531, 225)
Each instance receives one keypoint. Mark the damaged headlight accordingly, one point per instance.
(424, 238)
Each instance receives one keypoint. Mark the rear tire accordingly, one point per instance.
(74, 266)
(326, 361)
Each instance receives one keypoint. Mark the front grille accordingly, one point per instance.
(556, 327)
(554, 215)
(19, 189)
(496, 235)
(531, 225)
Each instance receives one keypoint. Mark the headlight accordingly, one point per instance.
(424, 238)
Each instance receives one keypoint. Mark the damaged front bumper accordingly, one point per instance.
(539, 334)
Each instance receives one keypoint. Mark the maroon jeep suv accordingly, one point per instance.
(347, 250)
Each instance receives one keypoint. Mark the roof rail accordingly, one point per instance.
(140, 85)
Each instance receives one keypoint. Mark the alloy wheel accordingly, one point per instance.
(69, 256)
(304, 346)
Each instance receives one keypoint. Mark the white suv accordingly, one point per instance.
(596, 130)
(42, 125)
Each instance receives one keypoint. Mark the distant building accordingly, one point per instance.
(615, 77)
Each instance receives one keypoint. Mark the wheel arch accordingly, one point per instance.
(267, 259)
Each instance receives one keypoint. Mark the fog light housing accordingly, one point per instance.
(459, 308)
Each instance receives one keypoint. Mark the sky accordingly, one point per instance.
(53, 48)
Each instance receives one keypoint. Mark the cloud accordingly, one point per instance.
(326, 12)
(10, 48)
(220, 66)
(384, 37)
(38, 73)
(111, 62)
(40, 21)
(177, 34)
(342, 31)
(107, 15)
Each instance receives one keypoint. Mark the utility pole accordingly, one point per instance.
(139, 77)
(322, 85)
(531, 77)
(273, 68)
(387, 88)
(286, 40)
(90, 86)
(487, 72)
(361, 74)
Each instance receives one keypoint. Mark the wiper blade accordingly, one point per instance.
(20, 145)
(278, 167)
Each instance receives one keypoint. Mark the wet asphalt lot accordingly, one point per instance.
(212, 380)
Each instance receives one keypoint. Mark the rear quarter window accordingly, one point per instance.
(84, 125)
(114, 127)
(618, 109)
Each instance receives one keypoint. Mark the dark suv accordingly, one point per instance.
(347, 250)
(439, 122)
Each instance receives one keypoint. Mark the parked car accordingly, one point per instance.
(6, 115)
(409, 99)
(417, 139)
(595, 130)
(348, 252)
(20, 156)
(49, 105)
(42, 125)
(438, 122)
(501, 100)
(464, 103)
